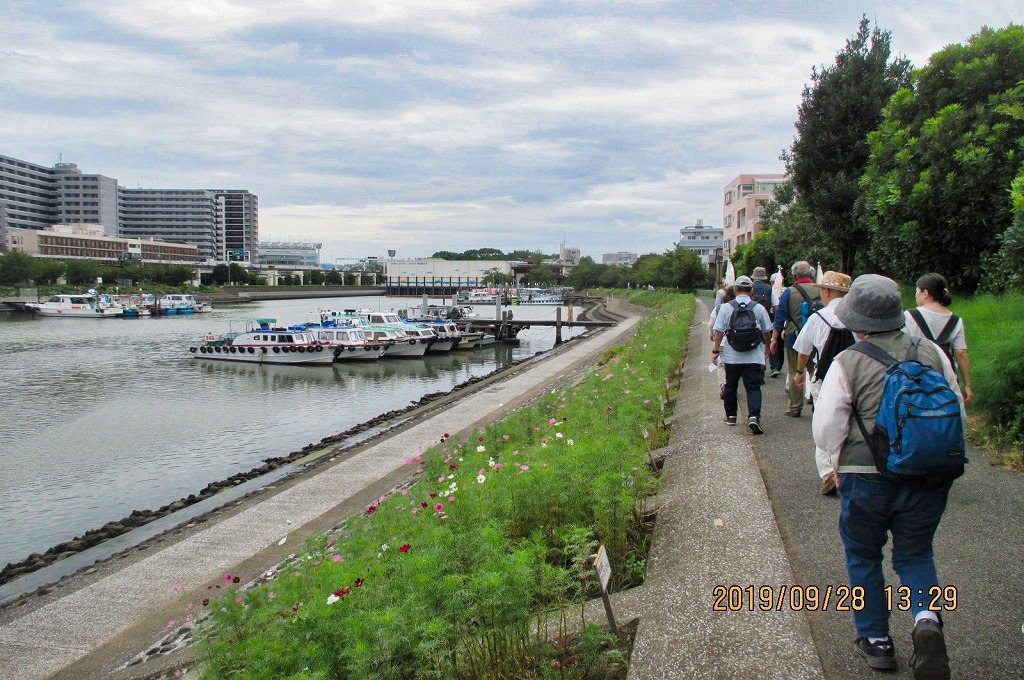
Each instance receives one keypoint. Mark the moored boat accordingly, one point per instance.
(264, 343)
(75, 306)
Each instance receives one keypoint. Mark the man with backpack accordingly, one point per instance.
(823, 336)
(890, 415)
(744, 326)
(796, 305)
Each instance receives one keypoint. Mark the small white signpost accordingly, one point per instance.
(604, 574)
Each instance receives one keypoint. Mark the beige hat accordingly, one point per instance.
(835, 281)
(759, 274)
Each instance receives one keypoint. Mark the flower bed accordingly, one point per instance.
(470, 571)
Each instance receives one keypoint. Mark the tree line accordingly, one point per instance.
(901, 171)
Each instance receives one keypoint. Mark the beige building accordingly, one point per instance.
(743, 201)
(88, 242)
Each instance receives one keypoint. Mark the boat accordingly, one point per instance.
(539, 296)
(388, 327)
(346, 338)
(445, 329)
(75, 306)
(181, 303)
(264, 343)
(478, 296)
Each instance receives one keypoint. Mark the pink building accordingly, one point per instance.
(743, 201)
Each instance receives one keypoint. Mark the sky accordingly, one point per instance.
(424, 126)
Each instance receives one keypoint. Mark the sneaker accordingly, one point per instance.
(730, 420)
(880, 655)
(775, 374)
(792, 412)
(754, 423)
(828, 485)
(929, 660)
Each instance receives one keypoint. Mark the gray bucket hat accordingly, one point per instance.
(873, 305)
(759, 274)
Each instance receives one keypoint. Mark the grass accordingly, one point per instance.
(994, 326)
(474, 570)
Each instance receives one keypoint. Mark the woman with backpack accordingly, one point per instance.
(932, 320)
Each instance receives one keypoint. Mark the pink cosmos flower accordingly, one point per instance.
(647, 401)
(451, 499)
(440, 479)
(271, 595)
(337, 558)
(227, 578)
(170, 624)
(438, 507)
(551, 421)
(505, 437)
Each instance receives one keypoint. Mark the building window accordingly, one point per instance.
(728, 197)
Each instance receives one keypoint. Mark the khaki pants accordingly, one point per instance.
(796, 394)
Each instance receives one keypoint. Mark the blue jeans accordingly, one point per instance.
(753, 378)
(873, 507)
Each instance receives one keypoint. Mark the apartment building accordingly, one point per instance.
(621, 258)
(222, 223)
(701, 239)
(743, 202)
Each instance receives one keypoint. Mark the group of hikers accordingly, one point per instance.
(888, 421)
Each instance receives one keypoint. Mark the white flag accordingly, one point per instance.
(730, 273)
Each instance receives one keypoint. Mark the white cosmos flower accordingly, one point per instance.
(480, 479)
(558, 434)
(332, 598)
(570, 442)
(481, 448)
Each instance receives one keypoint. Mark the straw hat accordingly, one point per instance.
(835, 281)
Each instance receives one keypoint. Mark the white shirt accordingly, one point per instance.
(728, 354)
(814, 334)
(833, 412)
(936, 322)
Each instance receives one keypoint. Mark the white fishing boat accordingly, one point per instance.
(75, 306)
(264, 343)
(347, 339)
(182, 303)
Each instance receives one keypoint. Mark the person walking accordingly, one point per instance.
(874, 505)
(931, 319)
(790, 318)
(777, 358)
(740, 339)
(823, 337)
(727, 296)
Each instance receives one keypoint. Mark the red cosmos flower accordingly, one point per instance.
(446, 435)
(424, 504)
(206, 601)
(433, 495)
(372, 509)
(453, 466)
(480, 439)
(404, 548)
(235, 579)
(359, 583)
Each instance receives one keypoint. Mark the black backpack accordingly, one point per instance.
(838, 340)
(943, 340)
(743, 333)
(762, 295)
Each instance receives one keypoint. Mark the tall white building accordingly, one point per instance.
(35, 196)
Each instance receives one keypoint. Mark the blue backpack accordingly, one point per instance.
(918, 435)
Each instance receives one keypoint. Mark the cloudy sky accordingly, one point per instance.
(425, 126)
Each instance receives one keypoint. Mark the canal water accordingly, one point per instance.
(102, 417)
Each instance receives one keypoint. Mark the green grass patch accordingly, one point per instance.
(475, 570)
(994, 326)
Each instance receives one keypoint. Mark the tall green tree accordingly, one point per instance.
(830, 152)
(82, 272)
(936, 190)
